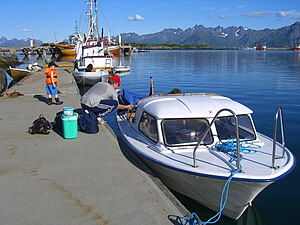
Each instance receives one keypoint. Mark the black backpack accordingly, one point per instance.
(40, 126)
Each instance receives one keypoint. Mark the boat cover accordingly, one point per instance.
(129, 98)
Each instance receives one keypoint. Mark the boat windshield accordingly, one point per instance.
(178, 132)
(226, 128)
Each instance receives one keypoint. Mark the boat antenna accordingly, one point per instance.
(151, 87)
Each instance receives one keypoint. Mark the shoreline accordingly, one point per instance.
(6, 61)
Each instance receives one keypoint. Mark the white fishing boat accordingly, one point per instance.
(91, 48)
(198, 144)
(84, 78)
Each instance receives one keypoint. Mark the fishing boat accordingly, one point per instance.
(84, 78)
(296, 47)
(91, 49)
(205, 146)
(114, 49)
(18, 74)
(65, 49)
(261, 47)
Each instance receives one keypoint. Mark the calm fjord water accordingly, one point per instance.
(262, 81)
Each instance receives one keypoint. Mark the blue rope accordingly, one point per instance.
(194, 219)
(230, 147)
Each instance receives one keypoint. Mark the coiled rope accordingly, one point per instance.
(230, 147)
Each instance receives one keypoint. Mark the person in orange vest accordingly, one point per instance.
(51, 84)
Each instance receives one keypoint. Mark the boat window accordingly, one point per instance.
(226, 128)
(148, 126)
(185, 131)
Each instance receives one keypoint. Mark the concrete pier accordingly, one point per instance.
(90, 180)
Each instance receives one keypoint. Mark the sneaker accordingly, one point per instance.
(59, 102)
(50, 103)
(100, 120)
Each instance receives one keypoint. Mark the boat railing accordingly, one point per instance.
(238, 162)
(280, 114)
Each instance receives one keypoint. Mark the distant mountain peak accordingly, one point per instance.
(4, 42)
(232, 36)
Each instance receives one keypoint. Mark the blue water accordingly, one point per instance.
(262, 81)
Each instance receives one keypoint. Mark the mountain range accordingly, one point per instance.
(221, 37)
(199, 35)
(4, 42)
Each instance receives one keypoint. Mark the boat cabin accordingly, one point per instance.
(176, 120)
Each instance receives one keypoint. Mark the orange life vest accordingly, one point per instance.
(48, 76)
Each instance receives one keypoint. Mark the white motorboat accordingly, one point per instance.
(91, 49)
(121, 69)
(84, 78)
(198, 144)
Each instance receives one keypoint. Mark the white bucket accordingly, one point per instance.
(68, 111)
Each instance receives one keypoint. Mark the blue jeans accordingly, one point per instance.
(103, 108)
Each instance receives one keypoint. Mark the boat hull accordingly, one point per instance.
(90, 78)
(115, 50)
(66, 49)
(198, 185)
(68, 52)
(18, 74)
(207, 190)
(120, 69)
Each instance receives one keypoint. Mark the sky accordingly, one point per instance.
(54, 20)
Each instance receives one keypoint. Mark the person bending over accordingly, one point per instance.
(102, 98)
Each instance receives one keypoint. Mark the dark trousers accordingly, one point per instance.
(103, 108)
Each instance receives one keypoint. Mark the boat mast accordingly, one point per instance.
(96, 22)
(91, 31)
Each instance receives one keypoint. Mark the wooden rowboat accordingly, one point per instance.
(18, 74)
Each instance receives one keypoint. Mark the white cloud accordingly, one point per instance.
(27, 30)
(284, 14)
(223, 17)
(137, 17)
(242, 6)
(256, 14)
(292, 14)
